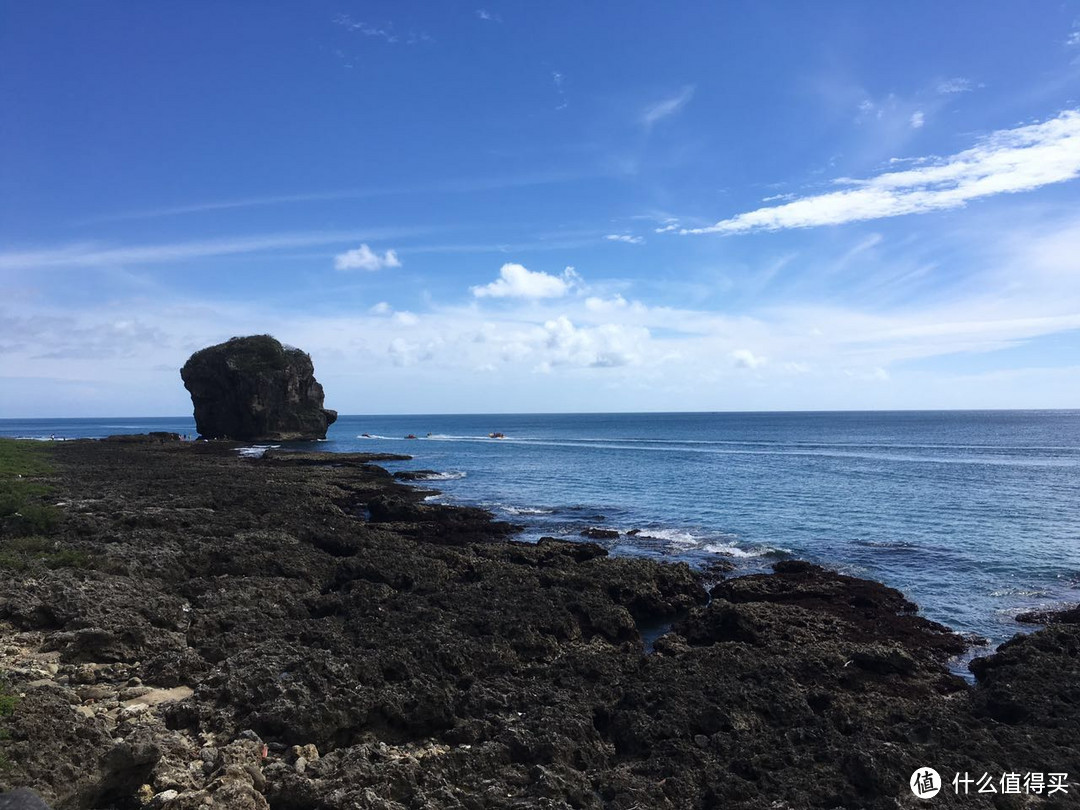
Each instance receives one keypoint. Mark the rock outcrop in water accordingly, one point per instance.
(254, 389)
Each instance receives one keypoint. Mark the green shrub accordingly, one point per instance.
(34, 518)
(8, 699)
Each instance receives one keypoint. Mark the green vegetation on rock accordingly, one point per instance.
(25, 517)
(20, 553)
(8, 701)
(23, 465)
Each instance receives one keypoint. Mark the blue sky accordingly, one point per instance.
(464, 207)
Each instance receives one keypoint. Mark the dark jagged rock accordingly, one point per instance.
(255, 389)
(416, 475)
(1064, 616)
(596, 533)
(154, 437)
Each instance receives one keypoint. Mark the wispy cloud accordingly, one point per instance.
(487, 16)
(1074, 36)
(517, 281)
(92, 255)
(243, 202)
(463, 185)
(957, 84)
(558, 79)
(364, 258)
(1006, 161)
(918, 118)
(667, 107)
(625, 237)
(385, 31)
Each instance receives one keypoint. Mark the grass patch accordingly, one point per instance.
(8, 699)
(22, 465)
(25, 458)
(21, 553)
(8, 702)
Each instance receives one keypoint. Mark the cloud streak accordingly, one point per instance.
(384, 32)
(93, 255)
(666, 108)
(452, 186)
(1005, 162)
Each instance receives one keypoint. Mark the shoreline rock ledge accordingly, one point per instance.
(255, 389)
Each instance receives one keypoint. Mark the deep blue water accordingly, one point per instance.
(974, 515)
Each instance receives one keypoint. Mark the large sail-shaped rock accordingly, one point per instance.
(253, 388)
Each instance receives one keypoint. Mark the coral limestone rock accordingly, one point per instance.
(253, 388)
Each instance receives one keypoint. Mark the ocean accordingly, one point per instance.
(974, 515)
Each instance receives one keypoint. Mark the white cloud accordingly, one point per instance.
(623, 237)
(406, 318)
(381, 308)
(516, 281)
(917, 119)
(956, 85)
(669, 106)
(744, 358)
(605, 346)
(1004, 162)
(364, 258)
(595, 304)
(487, 16)
(1074, 37)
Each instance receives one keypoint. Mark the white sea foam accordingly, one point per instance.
(734, 551)
(448, 437)
(453, 475)
(524, 510)
(731, 551)
(676, 536)
(1020, 592)
(256, 451)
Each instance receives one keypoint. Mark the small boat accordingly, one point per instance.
(365, 435)
(496, 435)
(411, 436)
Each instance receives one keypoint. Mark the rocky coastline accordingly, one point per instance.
(303, 631)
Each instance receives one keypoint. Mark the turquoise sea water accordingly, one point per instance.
(974, 515)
